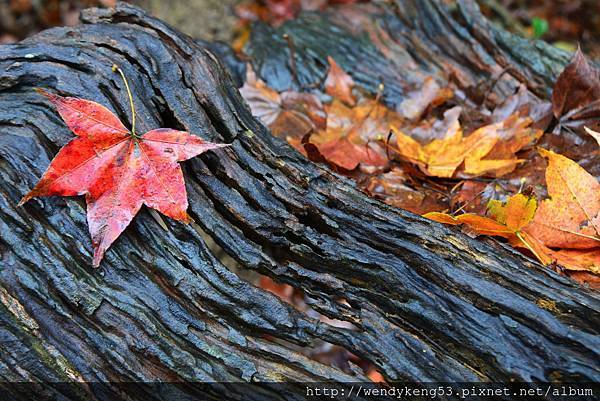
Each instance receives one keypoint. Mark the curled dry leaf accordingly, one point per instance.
(339, 84)
(289, 114)
(429, 95)
(117, 170)
(489, 150)
(577, 86)
(576, 104)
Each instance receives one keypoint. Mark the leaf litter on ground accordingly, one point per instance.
(496, 174)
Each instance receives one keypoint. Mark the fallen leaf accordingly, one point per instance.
(429, 95)
(569, 218)
(578, 259)
(349, 139)
(513, 134)
(396, 188)
(562, 221)
(489, 150)
(576, 104)
(578, 85)
(508, 220)
(290, 115)
(339, 84)
(117, 170)
(349, 155)
(368, 121)
(516, 213)
(594, 134)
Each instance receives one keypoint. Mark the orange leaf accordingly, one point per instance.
(570, 217)
(508, 220)
(489, 150)
(480, 224)
(579, 259)
(516, 213)
(485, 226)
(350, 129)
(338, 84)
(443, 218)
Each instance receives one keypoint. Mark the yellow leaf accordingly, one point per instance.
(507, 220)
(489, 150)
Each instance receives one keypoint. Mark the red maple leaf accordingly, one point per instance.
(117, 170)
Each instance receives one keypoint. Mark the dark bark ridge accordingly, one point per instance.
(428, 302)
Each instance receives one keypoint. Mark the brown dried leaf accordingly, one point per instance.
(395, 189)
(339, 84)
(577, 86)
(430, 94)
(289, 114)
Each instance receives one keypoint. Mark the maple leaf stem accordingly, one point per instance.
(116, 68)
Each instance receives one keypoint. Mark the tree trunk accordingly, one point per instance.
(426, 302)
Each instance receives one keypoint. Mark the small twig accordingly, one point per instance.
(387, 143)
(290, 43)
(467, 203)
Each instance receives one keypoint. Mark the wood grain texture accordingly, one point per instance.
(428, 303)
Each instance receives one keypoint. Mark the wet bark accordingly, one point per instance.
(426, 302)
